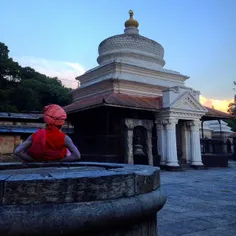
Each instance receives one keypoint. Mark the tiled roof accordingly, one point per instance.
(212, 113)
(118, 100)
(133, 102)
(27, 116)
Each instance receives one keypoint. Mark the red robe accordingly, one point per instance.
(48, 145)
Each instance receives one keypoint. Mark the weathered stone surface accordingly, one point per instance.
(146, 181)
(3, 177)
(79, 198)
(92, 217)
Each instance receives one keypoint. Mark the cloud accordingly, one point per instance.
(65, 71)
(221, 105)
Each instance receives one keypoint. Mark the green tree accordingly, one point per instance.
(232, 105)
(24, 89)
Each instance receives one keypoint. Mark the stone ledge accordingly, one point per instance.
(47, 183)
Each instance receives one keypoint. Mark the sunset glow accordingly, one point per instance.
(221, 105)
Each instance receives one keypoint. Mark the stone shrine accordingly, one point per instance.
(130, 93)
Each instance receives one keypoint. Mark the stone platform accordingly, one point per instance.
(199, 202)
(79, 199)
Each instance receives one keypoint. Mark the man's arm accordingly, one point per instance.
(20, 151)
(75, 154)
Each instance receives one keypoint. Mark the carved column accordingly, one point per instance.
(184, 142)
(196, 156)
(224, 143)
(149, 146)
(129, 146)
(129, 156)
(161, 141)
(171, 149)
(188, 143)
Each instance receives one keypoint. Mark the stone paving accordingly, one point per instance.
(199, 202)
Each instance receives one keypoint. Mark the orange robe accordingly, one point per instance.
(48, 145)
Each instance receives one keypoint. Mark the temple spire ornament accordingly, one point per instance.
(131, 22)
(131, 25)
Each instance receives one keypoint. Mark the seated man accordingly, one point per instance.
(49, 144)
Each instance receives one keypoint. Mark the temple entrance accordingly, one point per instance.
(182, 142)
(139, 146)
(179, 142)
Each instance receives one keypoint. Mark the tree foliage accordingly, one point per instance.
(232, 105)
(24, 89)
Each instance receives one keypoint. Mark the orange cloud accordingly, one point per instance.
(221, 105)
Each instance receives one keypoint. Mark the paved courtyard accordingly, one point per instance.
(199, 202)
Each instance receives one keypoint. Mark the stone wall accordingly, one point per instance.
(8, 142)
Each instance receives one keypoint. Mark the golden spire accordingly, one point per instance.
(131, 22)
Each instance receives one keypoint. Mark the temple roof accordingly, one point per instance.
(213, 114)
(133, 102)
(116, 100)
(131, 47)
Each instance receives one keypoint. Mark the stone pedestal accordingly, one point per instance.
(171, 149)
(79, 199)
(196, 156)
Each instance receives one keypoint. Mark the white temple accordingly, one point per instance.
(131, 65)
(216, 130)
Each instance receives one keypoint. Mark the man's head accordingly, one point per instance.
(54, 115)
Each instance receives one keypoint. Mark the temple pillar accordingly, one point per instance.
(161, 141)
(129, 146)
(188, 143)
(149, 147)
(171, 148)
(196, 156)
(184, 142)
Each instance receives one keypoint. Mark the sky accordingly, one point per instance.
(61, 37)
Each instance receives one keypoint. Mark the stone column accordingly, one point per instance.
(129, 146)
(196, 156)
(224, 143)
(161, 141)
(171, 149)
(149, 147)
(188, 143)
(184, 142)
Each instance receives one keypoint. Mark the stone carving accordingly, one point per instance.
(187, 102)
(195, 125)
(130, 43)
(171, 123)
(126, 55)
(131, 124)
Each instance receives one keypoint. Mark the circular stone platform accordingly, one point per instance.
(79, 199)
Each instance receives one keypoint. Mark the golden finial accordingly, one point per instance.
(131, 22)
(131, 13)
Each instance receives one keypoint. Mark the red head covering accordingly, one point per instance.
(54, 115)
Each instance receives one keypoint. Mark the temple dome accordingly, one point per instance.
(131, 48)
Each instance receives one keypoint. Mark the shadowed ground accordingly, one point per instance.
(199, 202)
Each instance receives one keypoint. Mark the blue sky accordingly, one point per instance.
(62, 36)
